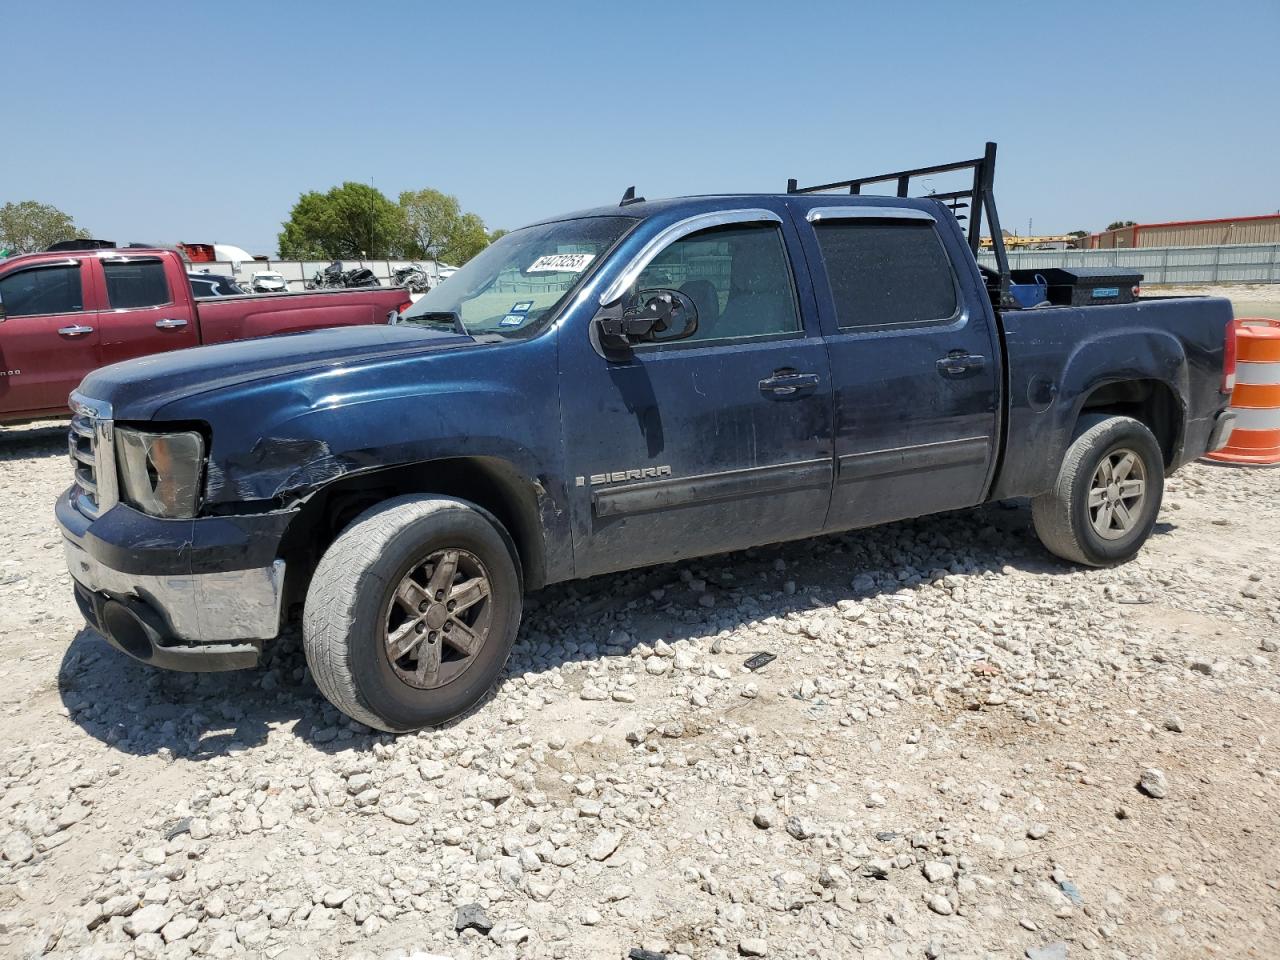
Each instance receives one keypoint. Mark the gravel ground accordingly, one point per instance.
(964, 749)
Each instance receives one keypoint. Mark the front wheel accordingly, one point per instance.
(1105, 501)
(411, 613)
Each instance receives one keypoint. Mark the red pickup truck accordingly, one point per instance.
(63, 314)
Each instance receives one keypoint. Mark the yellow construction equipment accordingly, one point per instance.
(1015, 241)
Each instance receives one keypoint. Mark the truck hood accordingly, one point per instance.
(136, 389)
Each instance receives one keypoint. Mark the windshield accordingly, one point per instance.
(519, 281)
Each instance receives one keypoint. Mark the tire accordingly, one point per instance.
(1063, 518)
(352, 608)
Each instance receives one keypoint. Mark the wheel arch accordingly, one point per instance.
(496, 486)
(1152, 402)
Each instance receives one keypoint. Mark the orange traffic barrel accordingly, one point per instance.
(1255, 438)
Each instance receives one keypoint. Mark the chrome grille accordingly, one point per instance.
(84, 464)
(89, 443)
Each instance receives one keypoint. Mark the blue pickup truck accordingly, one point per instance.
(628, 385)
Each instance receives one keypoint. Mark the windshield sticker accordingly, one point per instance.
(512, 320)
(561, 263)
(524, 306)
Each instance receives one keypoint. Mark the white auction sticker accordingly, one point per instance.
(561, 263)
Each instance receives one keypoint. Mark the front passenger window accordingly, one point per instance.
(737, 276)
(42, 290)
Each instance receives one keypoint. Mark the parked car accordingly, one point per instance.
(268, 281)
(207, 285)
(67, 313)
(626, 386)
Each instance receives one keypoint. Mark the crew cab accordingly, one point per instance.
(64, 313)
(624, 386)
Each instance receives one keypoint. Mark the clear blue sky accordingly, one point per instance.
(200, 122)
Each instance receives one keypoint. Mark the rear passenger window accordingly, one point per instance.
(737, 276)
(42, 290)
(139, 283)
(886, 273)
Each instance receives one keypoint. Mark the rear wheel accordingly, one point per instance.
(412, 612)
(1105, 501)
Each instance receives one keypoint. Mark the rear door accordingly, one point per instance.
(915, 362)
(714, 443)
(146, 307)
(49, 339)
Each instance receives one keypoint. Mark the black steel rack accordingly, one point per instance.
(976, 200)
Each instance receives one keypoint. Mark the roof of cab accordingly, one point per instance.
(56, 256)
(644, 209)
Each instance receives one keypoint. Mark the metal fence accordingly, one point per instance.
(1234, 263)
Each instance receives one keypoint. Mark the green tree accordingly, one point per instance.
(1078, 233)
(1117, 224)
(467, 239)
(436, 227)
(351, 221)
(498, 234)
(430, 220)
(29, 226)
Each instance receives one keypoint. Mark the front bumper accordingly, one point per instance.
(182, 594)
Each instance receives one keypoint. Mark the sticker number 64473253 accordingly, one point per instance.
(561, 263)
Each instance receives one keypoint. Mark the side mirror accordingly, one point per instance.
(651, 316)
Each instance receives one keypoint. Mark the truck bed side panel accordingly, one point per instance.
(1058, 356)
(242, 318)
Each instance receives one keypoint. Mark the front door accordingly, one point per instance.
(48, 340)
(914, 359)
(713, 443)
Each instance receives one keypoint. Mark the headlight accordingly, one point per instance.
(160, 472)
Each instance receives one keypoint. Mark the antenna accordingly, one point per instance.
(630, 197)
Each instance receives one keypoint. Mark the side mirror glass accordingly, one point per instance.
(650, 316)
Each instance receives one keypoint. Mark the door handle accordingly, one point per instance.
(76, 331)
(787, 383)
(957, 363)
(170, 324)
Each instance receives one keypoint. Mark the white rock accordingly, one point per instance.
(18, 847)
(657, 666)
(935, 871)
(941, 905)
(150, 919)
(1153, 783)
(495, 790)
(178, 929)
(402, 814)
(509, 932)
(337, 897)
(605, 843)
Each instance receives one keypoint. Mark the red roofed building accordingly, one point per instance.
(1189, 233)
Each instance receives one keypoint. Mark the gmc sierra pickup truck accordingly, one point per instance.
(619, 387)
(65, 313)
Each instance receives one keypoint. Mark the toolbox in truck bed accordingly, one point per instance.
(1083, 286)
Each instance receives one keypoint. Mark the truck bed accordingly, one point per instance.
(1061, 359)
(261, 314)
